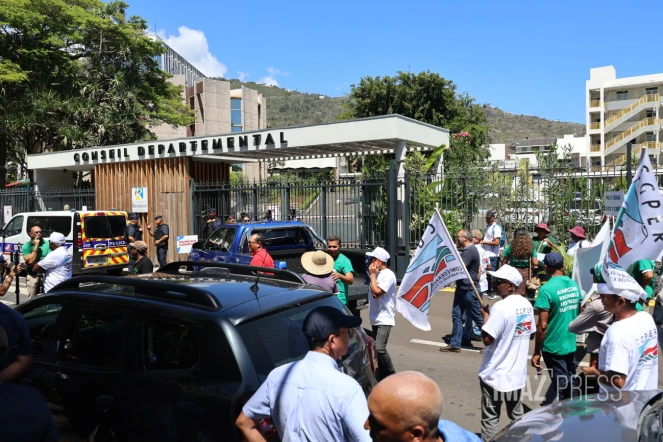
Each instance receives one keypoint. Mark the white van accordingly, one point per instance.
(97, 237)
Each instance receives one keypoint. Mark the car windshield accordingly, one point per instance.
(277, 339)
(221, 239)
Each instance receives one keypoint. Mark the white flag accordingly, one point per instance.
(587, 257)
(435, 264)
(638, 231)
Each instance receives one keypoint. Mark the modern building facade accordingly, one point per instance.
(619, 112)
(219, 109)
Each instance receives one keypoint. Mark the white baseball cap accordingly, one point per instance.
(57, 238)
(380, 254)
(509, 273)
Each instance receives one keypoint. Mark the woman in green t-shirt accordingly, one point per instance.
(520, 254)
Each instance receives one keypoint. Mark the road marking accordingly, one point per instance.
(442, 344)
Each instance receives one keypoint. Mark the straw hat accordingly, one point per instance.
(317, 263)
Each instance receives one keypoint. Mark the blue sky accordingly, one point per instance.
(528, 58)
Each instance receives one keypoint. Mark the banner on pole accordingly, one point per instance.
(436, 264)
(638, 231)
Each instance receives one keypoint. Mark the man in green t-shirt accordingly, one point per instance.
(643, 272)
(34, 251)
(559, 304)
(343, 271)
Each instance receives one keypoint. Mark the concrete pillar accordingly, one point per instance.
(400, 153)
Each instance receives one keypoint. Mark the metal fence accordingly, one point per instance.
(353, 208)
(29, 199)
(365, 211)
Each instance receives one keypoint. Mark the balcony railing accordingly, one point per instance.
(594, 103)
(593, 126)
(644, 99)
(628, 132)
(595, 148)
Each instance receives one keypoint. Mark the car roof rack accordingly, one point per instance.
(236, 269)
(147, 287)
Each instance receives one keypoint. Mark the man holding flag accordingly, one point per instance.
(436, 264)
(465, 298)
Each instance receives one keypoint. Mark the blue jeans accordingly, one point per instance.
(495, 264)
(161, 255)
(465, 302)
(562, 369)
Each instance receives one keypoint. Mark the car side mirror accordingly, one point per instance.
(198, 245)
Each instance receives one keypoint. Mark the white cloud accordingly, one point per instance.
(192, 45)
(242, 75)
(274, 72)
(268, 81)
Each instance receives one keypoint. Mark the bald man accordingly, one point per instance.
(406, 407)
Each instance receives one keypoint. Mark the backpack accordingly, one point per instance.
(503, 237)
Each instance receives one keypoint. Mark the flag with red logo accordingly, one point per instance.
(436, 264)
(638, 230)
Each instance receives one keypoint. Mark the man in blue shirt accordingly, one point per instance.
(311, 400)
(25, 416)
(407, 406)
(19, 353)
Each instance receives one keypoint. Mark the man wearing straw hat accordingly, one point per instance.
(318, 266)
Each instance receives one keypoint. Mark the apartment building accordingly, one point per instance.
(622, 111)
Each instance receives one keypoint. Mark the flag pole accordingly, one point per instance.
(476, 292)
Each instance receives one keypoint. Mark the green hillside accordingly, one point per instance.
(292, 108)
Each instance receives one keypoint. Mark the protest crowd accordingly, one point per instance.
(604, 303)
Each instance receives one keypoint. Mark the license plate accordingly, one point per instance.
(97, 259)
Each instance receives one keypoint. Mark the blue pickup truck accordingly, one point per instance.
(285, 241)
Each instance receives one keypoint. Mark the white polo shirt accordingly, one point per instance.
(310, 400)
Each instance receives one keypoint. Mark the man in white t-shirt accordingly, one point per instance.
(381, 307)
(491, 244)
(628, 358)
(56, 266)
(505, 333)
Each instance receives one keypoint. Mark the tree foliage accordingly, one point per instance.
(425, 97)
(79, 73)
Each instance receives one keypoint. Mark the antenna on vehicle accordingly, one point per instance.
(254, 287)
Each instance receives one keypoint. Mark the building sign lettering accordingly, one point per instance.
(191, 147)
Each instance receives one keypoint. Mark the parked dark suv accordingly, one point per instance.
(173, 355)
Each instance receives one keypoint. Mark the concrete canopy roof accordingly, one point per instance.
(376, 135)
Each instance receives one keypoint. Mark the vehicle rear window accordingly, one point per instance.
(278, 339)
(285, 237)
(221, 239)
(102, 226)
(50, 224)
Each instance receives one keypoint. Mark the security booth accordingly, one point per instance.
(182, 178)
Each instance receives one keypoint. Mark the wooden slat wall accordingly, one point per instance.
(167, 182)
(215, 172)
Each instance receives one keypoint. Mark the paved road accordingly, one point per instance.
(456, 374)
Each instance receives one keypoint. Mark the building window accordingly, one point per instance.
(622, 95)
(651, 91)
(650, 136)
(649, 113)
(235, 115)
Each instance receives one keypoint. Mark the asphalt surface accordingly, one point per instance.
(456, 373)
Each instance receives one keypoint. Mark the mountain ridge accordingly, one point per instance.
(293, 108)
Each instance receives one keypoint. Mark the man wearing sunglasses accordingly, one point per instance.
(34, 251)
(506, 334)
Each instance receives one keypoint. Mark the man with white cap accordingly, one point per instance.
(381, 307)
(318, 266)
(57, 264)
(506, 334)
(311, 399)
(628, 357)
